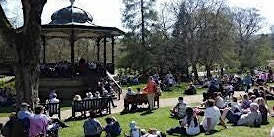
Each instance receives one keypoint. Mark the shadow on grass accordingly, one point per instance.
(144, 110)
(146, 113)
(79, 118)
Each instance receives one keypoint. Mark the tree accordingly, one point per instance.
(27, 48)
(247, 23)
(138, 17)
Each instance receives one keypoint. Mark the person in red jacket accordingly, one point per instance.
(150, 90)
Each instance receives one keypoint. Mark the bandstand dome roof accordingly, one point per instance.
(71, 15)
(73, 19)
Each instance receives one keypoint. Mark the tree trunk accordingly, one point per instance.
(26, 67)
(222, 71)
(28, 46)
(195, 71)
(208, 73)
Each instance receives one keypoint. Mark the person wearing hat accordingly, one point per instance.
(134, 130)
(24, 111)
(252, 118)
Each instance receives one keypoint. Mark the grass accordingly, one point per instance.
(160, 119)
(174, 93)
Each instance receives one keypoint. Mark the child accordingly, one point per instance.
(179, 111)
(134, 130)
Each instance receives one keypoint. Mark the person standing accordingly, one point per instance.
(150, 90)
(247, 81)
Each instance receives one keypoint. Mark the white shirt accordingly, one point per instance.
(219, 102)
(191, 129)
(54, 100)
(214, 114)
(130, 92)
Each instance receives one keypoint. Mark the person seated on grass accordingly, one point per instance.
(134, 130)
(263, 109)
(191, 89)
(24, 111)
(24, 116)
(252, 118)
(13, 127)
(92, 126)
(234, 105)
(229, 90)
(206, 83)
(245, 102)
(41, 123)
(112, 128)
(188, 126)
(179, 111)
(219, 101)
(212, 117)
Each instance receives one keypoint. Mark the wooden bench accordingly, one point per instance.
(140, 99)
(53, 108)
(97, 104)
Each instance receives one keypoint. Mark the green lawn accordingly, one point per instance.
(174, 93)
(160, 119)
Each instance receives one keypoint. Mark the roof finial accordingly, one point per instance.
(71, 2)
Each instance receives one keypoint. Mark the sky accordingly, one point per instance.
(108, 12)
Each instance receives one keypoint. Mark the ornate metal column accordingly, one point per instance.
(72, 41)
(44, 49)
(112, 49)
(105, 52)
(98, 49)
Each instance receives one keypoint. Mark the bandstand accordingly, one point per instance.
(72, 23)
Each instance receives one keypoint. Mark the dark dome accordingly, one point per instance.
(71, 15)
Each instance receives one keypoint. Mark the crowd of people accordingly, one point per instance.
(219, 105)
(32, 123)
(65, 69)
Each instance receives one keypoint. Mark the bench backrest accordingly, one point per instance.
(53, 108)
(89, 104)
